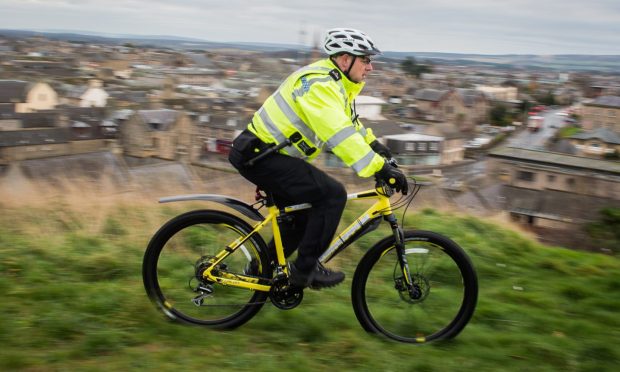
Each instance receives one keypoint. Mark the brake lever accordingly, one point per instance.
(387, 189)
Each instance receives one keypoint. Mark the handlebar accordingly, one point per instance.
(392, 162)
(379, 183)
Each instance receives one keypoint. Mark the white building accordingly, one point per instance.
(368, 107)
(94, 96)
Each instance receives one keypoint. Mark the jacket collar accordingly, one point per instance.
(352, 88)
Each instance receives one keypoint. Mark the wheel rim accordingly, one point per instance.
(185, 255)
(437, 304)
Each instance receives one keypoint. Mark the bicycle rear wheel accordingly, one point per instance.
(182, 249)
(443, 275)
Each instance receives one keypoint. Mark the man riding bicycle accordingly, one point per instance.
(313, 109)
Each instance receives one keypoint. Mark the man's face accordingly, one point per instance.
(362, 65)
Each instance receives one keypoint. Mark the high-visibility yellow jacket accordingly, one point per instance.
(315, 101)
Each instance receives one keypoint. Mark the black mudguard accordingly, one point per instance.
(236, 204)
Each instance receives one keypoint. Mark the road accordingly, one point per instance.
(536, 140)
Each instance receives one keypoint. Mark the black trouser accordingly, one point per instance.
(294, 181)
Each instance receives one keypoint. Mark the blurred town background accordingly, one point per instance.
(534, 139)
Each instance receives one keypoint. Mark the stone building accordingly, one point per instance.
(551, 190)
(603, 112)
(165, 134)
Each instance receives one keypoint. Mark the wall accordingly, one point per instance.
(18, 153)
(40, 97)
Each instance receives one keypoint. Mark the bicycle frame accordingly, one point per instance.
(381, 207)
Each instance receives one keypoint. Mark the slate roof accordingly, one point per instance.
(12, 91)
(382, 128)
(38, 119)
(604, 134)
(430, 94)
(7, 110)
(556, 159)
(165, 117)
(31, 137)
(606, 101)
(219, 121)
(469, 96)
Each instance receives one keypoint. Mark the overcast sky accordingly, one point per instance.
(458, 26)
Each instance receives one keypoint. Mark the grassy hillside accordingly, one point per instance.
(73, 300)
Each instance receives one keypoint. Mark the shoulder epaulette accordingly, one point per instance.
(335, 74)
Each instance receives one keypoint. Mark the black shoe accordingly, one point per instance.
(317, 278)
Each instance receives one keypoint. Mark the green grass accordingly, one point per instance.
(73, 300)
(566, 132)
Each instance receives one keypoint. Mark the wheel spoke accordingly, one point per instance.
(187, 246)
(442, 303)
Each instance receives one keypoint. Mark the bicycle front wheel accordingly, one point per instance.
(444, 296)
(183, 248)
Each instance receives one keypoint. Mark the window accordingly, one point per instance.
(433, 146)
(422, 146)
(526, 176)
(410, 146)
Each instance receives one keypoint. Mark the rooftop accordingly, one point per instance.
(413, 137)
(604, 134)
(556, 159)
(607, 101)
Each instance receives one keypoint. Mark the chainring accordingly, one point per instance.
(283, 295)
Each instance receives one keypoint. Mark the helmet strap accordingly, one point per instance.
(346, 73)
(350, 67)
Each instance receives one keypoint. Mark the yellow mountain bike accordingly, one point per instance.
(213, 268)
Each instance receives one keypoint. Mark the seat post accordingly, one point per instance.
(270, 200)
(267, 196)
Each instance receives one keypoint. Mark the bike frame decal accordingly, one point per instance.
(382, 206)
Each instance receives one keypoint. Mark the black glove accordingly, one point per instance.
(381, 149)
(394, 178)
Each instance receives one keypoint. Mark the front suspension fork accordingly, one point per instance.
(399, 239)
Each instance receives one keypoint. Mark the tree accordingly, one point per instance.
(411, 67)
(548, 99)
(606, 231)
(499, 115)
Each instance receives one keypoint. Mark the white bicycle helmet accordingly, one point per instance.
(349, 40)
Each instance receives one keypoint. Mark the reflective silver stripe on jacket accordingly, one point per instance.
(359, 165)
(277, 134)
(299, 124)
(342, 135)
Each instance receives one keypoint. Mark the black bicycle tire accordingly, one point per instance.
(453, 250)
(178, 223)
